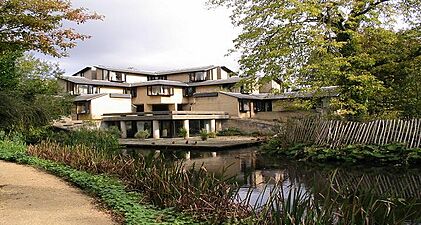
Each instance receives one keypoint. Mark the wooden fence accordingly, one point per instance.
(341, 133)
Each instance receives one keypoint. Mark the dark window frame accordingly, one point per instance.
(160, 77)
(263, 106)
(150, 93)
(194, 76)
(189, 91)
(242, 103)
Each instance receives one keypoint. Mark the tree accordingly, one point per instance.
(320, 43)
(28, 91)
(39, 25)
(34, 100)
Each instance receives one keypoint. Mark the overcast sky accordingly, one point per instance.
(153, 35)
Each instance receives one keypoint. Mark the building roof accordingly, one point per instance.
(231, 80)
(154, 73)
(83, 80)
(186, 70)
(331, 91)
(160, 82)
(88, 97)
(242, 96)
(127, 70)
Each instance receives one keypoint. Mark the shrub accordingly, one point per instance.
(100, 139)
(142, 134)
(182, 132)
(204, 134)
(231, 131)
(212, 135)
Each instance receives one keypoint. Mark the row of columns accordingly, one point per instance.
(156, 131)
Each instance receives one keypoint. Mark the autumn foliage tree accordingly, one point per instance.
(39, 25)
(349, 43)
(28, 91)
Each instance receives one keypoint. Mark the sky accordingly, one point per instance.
(152, 35)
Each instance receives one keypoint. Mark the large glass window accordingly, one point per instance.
(189, 91)
(263, 106)
(197, 76)
(117, 76)
(105, 74)
(82, 89)
(244, 105)
(160, 90)
(83, 107)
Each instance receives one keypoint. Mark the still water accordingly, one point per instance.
(259, 173)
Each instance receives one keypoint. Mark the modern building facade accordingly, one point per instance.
(162, 102)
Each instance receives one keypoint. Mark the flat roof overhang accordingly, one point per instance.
(165, 115)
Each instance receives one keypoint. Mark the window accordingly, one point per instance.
(263, 106)
(133, 92)
(117, 76)
(70, 88)
(244, 105)
(140, 108)
(105, 75)
(160, 90)
(189, 91)
(157, 78)
(82, 89)
(198, 76)
(83, 107)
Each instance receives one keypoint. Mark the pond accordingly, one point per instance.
(260, 174)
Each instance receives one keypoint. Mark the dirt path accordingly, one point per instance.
(29, 196)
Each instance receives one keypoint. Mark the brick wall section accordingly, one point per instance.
(250, 125)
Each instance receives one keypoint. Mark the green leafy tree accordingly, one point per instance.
(34, 101)
(322, 43)
(28, 90)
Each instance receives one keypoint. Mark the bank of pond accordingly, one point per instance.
(228, 187)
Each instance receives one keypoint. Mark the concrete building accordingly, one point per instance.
(162, 102)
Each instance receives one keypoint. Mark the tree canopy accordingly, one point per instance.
(29, 93)
(349, 43)
(40, 25)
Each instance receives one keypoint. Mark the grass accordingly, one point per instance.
(109, 190)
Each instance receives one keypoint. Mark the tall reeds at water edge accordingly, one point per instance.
(204, 195)
(331, 204)
(211, 197)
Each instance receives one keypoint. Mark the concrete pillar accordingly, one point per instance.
(207, 126)
(175, 107)
(155, 128)
(123, 129)
(251, 109)
(213, 125)
(186, 126)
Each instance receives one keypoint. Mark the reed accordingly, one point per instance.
(204, 195)
(332, 204)
(213, 198)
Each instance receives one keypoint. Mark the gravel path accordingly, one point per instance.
(29, 196)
